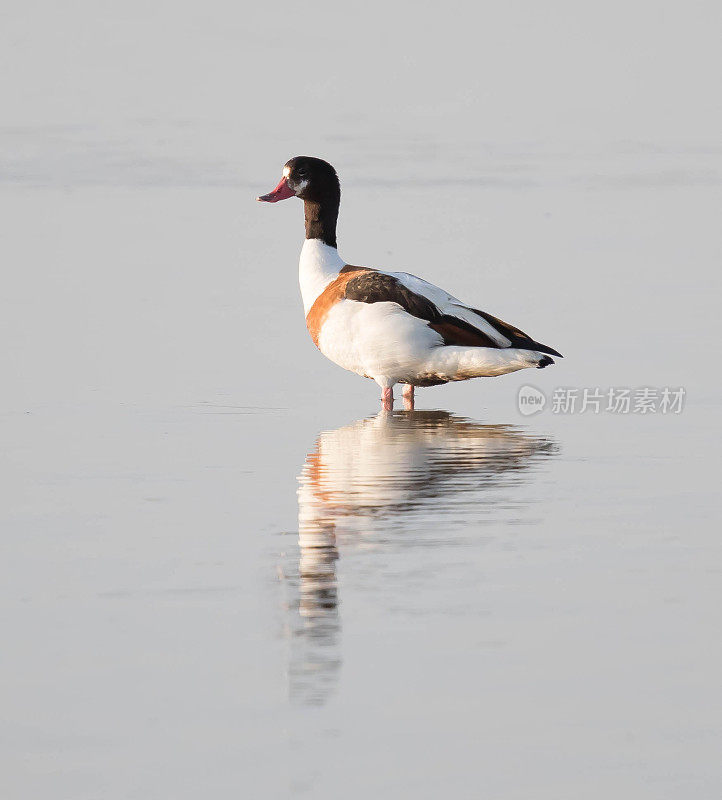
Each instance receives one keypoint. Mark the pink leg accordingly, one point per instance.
(387, 399)
(408, 395)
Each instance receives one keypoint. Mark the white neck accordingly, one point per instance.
(318, 266)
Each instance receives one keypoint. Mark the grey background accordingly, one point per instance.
(546, 631)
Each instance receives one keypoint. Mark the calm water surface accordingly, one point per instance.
(224, 573)
(225, 569)
(385, 485)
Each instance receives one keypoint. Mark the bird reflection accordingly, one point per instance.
(382, 473)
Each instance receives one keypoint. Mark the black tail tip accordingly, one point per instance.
(545, 362)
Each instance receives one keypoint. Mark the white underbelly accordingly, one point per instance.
(377, 340)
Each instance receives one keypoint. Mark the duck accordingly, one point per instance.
(392, 327)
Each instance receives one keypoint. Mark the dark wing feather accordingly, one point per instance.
(378, 287)
(458, 331)
(516, 337)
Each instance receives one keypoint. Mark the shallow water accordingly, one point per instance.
(393, 483)
(224, 570)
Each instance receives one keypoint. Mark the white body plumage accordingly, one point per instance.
(381, 340)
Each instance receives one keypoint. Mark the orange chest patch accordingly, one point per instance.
(328, 298)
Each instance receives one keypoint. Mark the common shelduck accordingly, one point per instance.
(390, 326)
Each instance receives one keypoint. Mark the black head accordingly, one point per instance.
(311, 179)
